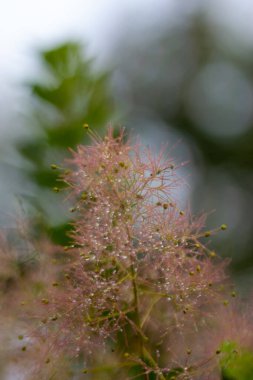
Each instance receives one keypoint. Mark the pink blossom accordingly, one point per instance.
(138, 287)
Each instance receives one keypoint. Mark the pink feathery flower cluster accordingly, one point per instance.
(138, 293)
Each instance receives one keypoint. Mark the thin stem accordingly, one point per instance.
(143, 350)
(136, 306)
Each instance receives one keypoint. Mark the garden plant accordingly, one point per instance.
(138, 293)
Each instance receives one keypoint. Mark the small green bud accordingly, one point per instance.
(54, 167)
(223, 227)
(84, 196)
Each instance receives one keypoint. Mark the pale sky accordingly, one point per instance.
(28, 24)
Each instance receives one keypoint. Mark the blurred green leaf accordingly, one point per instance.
(235, 363)
(68, 93)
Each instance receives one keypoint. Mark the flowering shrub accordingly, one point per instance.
(138, 295)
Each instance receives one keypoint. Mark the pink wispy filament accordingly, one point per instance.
(138, 282)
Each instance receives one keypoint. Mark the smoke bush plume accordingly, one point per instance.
(138, 295)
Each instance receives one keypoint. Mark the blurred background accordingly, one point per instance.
(171, 71)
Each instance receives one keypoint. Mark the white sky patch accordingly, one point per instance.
(26, 25)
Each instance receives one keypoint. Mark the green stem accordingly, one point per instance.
(143, 351)
(136, 308)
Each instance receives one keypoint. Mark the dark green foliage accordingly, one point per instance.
(60, 233)
(69, 94)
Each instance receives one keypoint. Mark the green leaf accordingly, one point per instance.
(236, 363)
(68, 93)
(59, 233)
